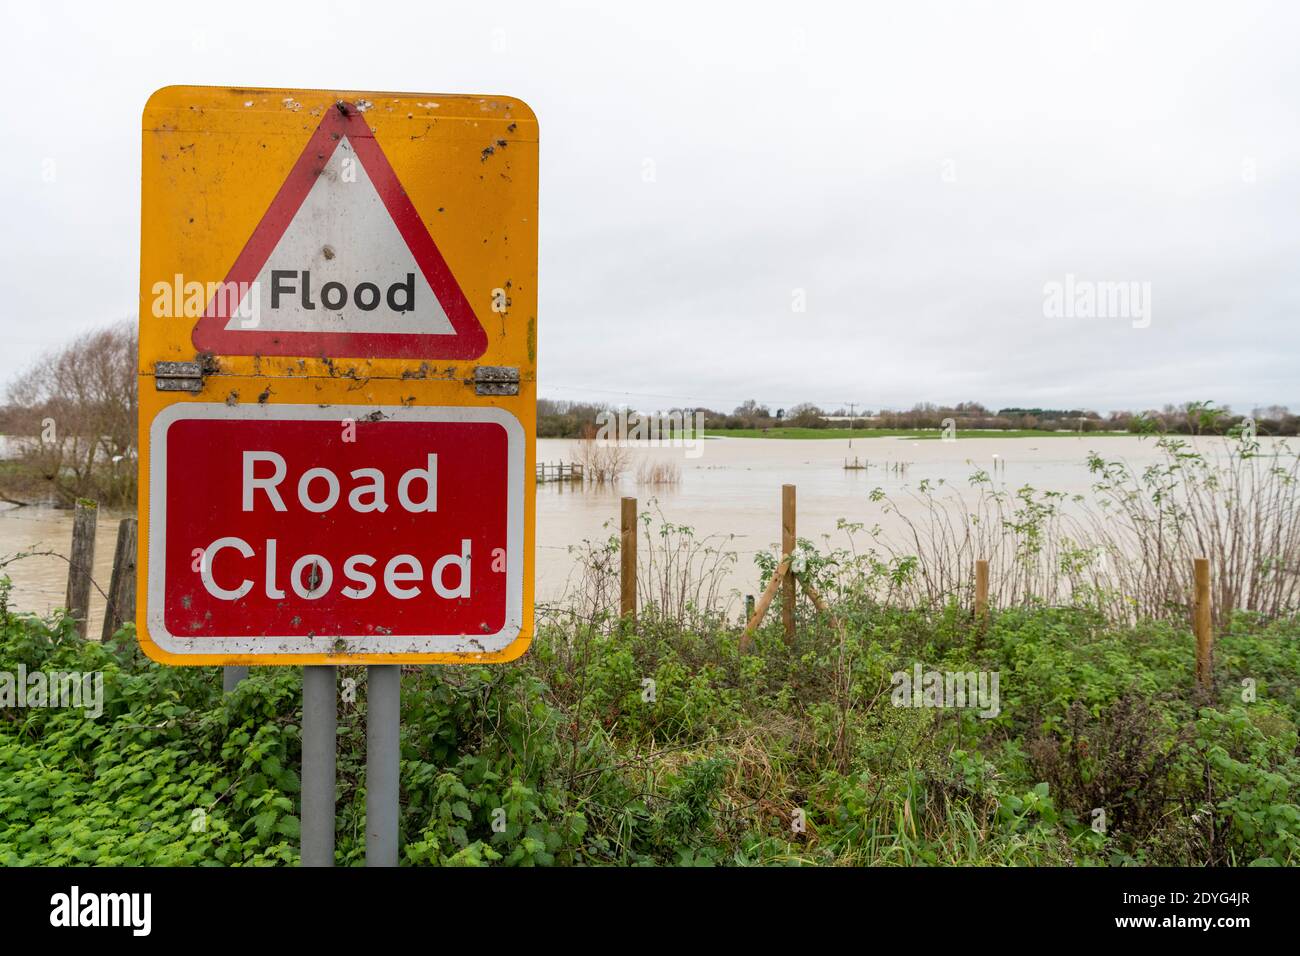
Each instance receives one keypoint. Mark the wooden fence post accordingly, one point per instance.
(1202, 620)
(627, 554)
(785, 579)
(760, 611)
(981, 591)
(120, 607)
(787, 551)
(81, 562)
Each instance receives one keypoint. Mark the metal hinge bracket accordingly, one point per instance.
(496, 380)
(178, 376)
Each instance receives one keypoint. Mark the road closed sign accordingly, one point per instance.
(337, 377)
(328, 535)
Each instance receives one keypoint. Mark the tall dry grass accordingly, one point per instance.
(681, 576)
(603, 463)
(1126, 549)
(1233, 503)
(650, 472)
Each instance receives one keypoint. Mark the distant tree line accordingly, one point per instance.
(68, 424)
(557, 419)
(567, 419)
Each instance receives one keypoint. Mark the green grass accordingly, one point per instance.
(913, 434)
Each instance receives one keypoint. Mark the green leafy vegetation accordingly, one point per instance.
(662, 744)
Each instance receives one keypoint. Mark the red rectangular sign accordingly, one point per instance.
(290, 529)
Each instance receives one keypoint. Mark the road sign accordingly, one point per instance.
(332, 528)
(337, 377)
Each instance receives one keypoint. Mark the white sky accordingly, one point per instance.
(795, 146)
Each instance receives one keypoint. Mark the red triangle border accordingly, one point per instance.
(344, 119)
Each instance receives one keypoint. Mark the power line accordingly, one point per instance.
(690, 398)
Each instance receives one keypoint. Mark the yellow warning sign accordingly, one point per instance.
(338, 356)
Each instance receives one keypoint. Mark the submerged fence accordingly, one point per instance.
(559, 471)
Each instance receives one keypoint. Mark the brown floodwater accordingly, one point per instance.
(728, 487)
(40, 582)
(732, 489)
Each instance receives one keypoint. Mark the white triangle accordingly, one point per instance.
(344, 234)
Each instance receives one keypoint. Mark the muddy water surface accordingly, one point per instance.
(727, 487)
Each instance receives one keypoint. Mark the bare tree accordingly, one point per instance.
(73, 415)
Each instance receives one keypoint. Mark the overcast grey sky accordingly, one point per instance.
(915, 173)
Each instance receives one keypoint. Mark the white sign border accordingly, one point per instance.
(300, 645)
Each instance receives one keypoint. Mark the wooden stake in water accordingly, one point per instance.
(81, 562)
(121, 588)
(1202, 621)
(627, 560)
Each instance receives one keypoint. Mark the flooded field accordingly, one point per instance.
(730, 488)
(40, 582)
(733, 487)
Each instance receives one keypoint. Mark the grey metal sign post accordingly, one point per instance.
(383, 720)
(319, 739)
